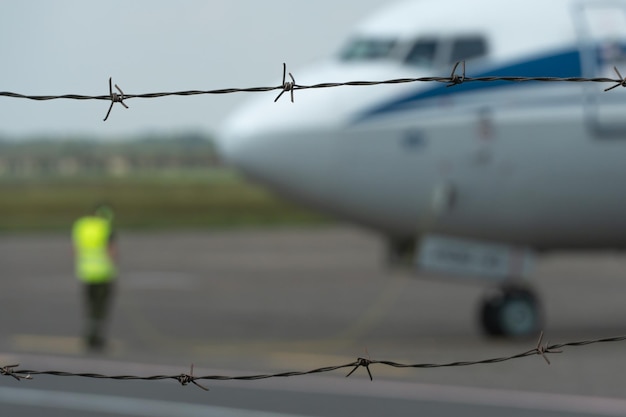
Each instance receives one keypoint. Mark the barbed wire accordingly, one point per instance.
(540, 349)
(291, 86)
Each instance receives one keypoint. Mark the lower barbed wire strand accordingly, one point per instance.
(185, 379)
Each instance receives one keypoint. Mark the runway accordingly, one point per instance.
(273, 300)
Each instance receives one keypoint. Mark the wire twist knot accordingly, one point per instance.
(364, 362)
(455, 79)
(9, 371)
(186, 379)
(115, 98)
(543, 349)
(288, 86)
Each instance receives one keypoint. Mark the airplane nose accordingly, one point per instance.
(302, 149)
(260, 132)
(235, 143)
(245, 144)
(260, 124)
(276, 144)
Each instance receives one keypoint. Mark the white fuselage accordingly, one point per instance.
(537, 164)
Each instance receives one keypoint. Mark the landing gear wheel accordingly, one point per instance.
(512, 311)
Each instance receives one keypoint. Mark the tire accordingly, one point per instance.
(489, 315)
(513, 312)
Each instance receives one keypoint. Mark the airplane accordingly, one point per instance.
(471, 180)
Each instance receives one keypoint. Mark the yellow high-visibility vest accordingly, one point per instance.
(91, 236)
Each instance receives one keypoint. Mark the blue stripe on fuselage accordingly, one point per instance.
(563, 64)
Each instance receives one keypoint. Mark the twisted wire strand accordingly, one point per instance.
(291, 86)
(445, 80)
(540, 349)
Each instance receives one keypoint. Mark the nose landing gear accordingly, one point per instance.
(511, 311)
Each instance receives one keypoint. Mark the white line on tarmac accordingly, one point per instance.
(463, 395)
(120, 405)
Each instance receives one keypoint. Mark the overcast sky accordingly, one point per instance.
(74, 46)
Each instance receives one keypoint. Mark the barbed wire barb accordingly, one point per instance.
(454, 78)
(287, 85)
(185, 379)
(364, 363)
(9, 371)
(543, 349)
(620, 83)
(115, 98)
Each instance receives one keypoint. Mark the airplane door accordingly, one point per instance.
(601, 27)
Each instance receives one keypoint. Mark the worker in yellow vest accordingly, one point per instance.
(95, 264)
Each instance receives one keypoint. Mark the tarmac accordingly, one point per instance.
(295, 299)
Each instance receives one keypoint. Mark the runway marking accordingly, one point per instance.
(608, 407)
(523, 400)
(375, 313)
(160, 280)
(68, 345)
(146, 330)
(113, 404)
(47, 343)
(463, 395)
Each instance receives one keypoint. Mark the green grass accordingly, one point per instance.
(207, 198)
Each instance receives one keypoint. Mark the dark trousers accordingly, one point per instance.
(98, 300)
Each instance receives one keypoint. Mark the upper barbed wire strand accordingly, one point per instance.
(290, 86)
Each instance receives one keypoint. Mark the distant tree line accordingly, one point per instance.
(35, 157)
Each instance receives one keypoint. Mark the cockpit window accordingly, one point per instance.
(367, 49)
(422, 53)
(425, 52)
(468, 48)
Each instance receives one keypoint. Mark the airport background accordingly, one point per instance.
(207, 276)
(153, 181)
